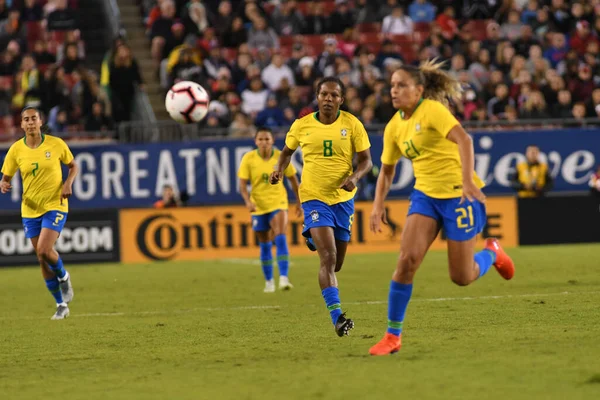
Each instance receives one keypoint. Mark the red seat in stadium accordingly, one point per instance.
(35, 31)
(58, 36)
(369, 27)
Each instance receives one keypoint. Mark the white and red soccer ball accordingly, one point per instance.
(187, 102)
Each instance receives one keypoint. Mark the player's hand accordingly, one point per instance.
(5, 186)
(298, 211)
(378, 216)
(67, 191)
(275, 177)
(470, 192)
(349, 183)
(251, 206)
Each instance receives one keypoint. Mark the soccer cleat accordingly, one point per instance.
(269, 286)
(343, 325)
(62, 312)
(504, 264)
(66, 289)
(284, 283)
(390, 344)
(311, 244)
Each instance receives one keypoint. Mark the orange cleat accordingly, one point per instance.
(504, 264)
(390, 344)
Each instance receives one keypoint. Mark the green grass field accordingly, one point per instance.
(205, 330)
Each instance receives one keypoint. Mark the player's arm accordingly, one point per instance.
(246, 196)
(67, 189)
(362, 168)
(5, 185)
(295, 187)
(284, 160)
(467, 157)
(9, 169)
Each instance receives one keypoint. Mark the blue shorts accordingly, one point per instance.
(261, 223)
(338, 216)
(54, 220)
(460, 222)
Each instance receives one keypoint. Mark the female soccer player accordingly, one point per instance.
(268, 205)
(329, 139)
(44, 206)
(447, 191)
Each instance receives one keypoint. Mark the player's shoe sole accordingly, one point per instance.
(310, 244)
(344, 325)
(503, 264)
(62, 312)
(390, 344)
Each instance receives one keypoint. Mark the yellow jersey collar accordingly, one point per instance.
(316, 115)
(25, 141)
(417, 106)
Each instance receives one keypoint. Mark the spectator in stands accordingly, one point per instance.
(594, 102)
(287, 20)
(583, 85)
(316, 22)
(525, 41)
(342, 18)
(558, 49)
(579, 112)
(306, 74)
(366, 12)
(563, 108)
(41, 53)
(169, 199)
(261, 35)
(161, 31)
(224, 18)
(235, 35)
(272, 115)
(529, 14)
(241, 126)
(71, 37)
(11, 34)
(397, 23)
(254, 99)
(4, 9)
(125, 77)
(293, 101)
(535, 107)
(187, 69)
(98, 120)
(58, 120)
(30, 94)
(195, 16)
(480, 70)
(447, 22)
(532, 177)
(511, 29)
(72, 59)
(31, 10)
(497, 104)
(387, 51)
(62, 18)
(421, 11)
(276, 72)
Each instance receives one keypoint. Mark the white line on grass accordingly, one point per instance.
(267, 307)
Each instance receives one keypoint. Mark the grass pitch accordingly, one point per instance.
(205, 330)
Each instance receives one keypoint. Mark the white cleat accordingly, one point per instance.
(269, 286)
(284, 283)
(62, 312)
(66, 289)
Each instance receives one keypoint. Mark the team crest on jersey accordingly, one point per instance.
(418, 127)
(314, 215)
(47, 155)
(344, 132)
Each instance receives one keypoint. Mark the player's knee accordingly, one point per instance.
(460, 279)
(409, 260)
(329, 259)
(44, 253)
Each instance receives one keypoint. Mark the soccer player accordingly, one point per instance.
(329, 139)
(268, 205)
(447, 192)
(44, 205)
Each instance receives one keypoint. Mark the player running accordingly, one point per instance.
(447, 191)
(44, 206)
(329, 138)
(268, 205)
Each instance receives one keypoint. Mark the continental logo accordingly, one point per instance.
(226, 232)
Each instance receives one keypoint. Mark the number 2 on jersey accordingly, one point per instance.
(36, 167)
(327, 148)
(465, 213)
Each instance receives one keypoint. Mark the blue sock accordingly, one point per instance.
(332, 299)
(283, 255)
(266, 260)
(397, 303)
(54, 289)
(58, 269)
(485, 259)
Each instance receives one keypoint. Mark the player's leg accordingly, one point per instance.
(462, 223)
(55, 221)
(48, 257)
(260, 224)
(279, 223)
(420, 230)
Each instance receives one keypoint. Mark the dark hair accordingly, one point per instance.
(437, 84)
(263, 129)
(334, 80)
(26, 108)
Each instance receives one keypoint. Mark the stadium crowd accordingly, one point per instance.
(43, 65)
(260, 60)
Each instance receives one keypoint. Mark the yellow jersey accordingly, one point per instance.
(41, 173)
(423, 139)
(327, 151)
(257, 171)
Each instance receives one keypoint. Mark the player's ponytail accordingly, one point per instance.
(437, 84)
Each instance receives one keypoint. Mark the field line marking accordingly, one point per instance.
(271, 307)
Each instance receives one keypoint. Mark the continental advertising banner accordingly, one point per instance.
(130, 176)
(225, 232)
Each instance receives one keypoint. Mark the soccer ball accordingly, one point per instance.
(187, 102)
